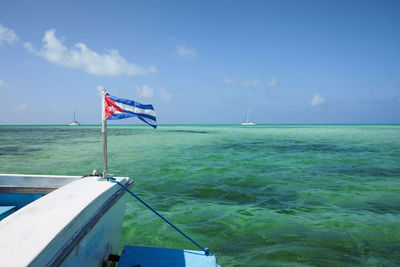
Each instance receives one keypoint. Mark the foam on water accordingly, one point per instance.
(276, 195)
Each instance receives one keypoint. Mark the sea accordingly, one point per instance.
(265, 195)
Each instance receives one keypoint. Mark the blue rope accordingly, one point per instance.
(206, 250)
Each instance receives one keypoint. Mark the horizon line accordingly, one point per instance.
(170, 124)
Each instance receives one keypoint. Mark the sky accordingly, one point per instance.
(202, 62)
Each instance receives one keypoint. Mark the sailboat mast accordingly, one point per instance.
(248, 122)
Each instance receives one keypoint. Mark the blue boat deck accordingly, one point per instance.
(148, 256)
(6, 210)
(17, 191)
(9, 203)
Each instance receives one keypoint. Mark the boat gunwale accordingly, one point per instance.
(90, 223)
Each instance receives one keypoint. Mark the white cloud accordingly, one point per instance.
(145, 91)
(7, 35)
(22, 107)
(317, 100)
(244, 83)
(186, 52)
(229, 81)
(80, 56)
(165, 95)
(3, 86)
(273, 82)
(253, 83)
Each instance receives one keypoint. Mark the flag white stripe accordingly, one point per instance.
(135, 109)
(150, 121)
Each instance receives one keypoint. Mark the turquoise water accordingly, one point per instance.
(270, 195)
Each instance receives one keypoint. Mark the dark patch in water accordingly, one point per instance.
(41, 135)
(12, 150)
(380, 207)
(254, 144)
(282, 201)
(32, 140)
(293, 146)
(286, 211)
(187, 131)
(246, 213)
(223, 195)
(323, 148)
(354, 170)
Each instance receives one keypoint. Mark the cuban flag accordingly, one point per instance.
(116, 108)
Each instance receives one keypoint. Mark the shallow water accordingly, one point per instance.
(276, 195)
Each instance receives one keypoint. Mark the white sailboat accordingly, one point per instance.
(248, 122)
(75, 123)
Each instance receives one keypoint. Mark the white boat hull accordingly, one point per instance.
(78, 224)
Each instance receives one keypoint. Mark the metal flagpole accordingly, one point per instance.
(104, 130)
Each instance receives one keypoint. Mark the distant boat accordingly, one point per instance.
(75, 123)
(248, 121)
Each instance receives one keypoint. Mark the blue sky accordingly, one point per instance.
(202, 61)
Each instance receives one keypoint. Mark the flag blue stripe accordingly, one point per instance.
(121, 116)
(152, 125)
(128, 114)
(142, 115)
(131, 102)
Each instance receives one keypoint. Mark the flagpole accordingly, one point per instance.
(104, 130)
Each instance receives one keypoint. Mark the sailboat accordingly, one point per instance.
(75, 123)
(248, 122)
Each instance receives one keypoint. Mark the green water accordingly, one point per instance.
(270, 195)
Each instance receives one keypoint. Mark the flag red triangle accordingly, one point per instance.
(110, 107)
